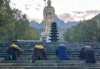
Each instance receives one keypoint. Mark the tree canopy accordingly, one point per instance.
(86, 31)
(14, 25)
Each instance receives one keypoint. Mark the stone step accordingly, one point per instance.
(50, 65)
(45, 67)
(73, 48)
(48, 61)
(43, 61)
(30, 53)
(28, 56)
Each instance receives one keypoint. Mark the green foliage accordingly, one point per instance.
(86, 31)
(23, 30)
(14, 25)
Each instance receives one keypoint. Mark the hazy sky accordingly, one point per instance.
(34, 8)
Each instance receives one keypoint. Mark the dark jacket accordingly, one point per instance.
(39, 54)
(12, 54)
(81, 55)
(88, 55)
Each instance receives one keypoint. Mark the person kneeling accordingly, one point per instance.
(87, 54)
(13, 52)
(39, 53)
(62, 52)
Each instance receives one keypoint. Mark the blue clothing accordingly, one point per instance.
(62, 53)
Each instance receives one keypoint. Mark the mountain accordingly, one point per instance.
(62, 26)
(86, 31)
(60, 23)
(97, 19)
(70, 24)
(35, 24)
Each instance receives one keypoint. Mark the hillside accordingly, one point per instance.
(86, 31)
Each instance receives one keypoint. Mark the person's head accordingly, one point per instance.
(38, 47)
(87, 48)
(49, 3)
(62, 45)
(15, 46)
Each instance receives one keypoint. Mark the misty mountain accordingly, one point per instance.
(62, 26)
(97, 18)
(35, 24)
(70, 24)
(60, 23)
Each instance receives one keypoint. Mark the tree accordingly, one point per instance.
(6, 20)
(86, 31)
(13, 24)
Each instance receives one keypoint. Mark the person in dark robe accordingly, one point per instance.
(62, 52)
(39, 53)
(13, 52)
(87, 54)
(81, 55)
